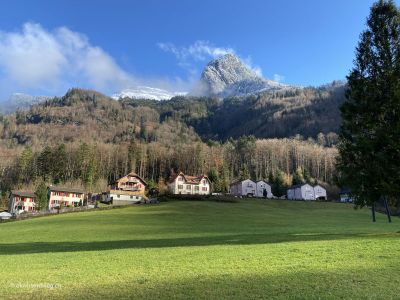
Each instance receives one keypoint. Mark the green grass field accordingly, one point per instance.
(252, 249)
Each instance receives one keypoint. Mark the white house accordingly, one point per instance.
(243, 188)
(65, 196)
(263, 189)
(180, 183)
(320, 193)
(301, 192)
(21, 202)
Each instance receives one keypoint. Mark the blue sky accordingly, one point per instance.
(47, 47)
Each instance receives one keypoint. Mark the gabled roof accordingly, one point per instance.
(66, 189)
(262, 181)
(299, 185)
(188, 179)
(133, 174)
(27, 194)
(240, 180)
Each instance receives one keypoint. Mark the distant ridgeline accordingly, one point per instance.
(103, 138)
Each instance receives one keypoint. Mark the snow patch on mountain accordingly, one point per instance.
(145, 92)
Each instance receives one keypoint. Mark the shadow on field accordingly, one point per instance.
(242, 239)
(343, 283)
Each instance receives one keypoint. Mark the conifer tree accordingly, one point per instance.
(41, 196)
(369, 160)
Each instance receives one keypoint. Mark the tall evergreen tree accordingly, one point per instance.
(41, 196)
(369, 160)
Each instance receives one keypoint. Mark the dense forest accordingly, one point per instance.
(88, 139)
(306, 112)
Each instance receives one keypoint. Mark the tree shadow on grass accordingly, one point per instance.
(343, 283)
(240, 239)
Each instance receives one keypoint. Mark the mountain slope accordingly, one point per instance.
(229, 76)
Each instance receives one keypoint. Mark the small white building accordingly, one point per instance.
(263, 189)
(320, 193)
(181, 184)
(247, 188)
(301, 192)
(5, 215)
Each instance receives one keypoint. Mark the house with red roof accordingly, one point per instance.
(180, 183)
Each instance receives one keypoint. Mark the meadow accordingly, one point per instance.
(251, 249)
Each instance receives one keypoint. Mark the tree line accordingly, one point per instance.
(94, 166)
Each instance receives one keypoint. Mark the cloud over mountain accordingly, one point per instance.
(36, 58)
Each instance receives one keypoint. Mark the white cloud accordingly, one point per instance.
(279, 78)
(248, 61)
(202, 51)
(35, 58)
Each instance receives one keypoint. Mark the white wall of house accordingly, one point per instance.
(260, 187)
(19, 204)
(180, 186)
(65, 198)
(303, 192)
(244, 188)
(121, 197)
(319, 192)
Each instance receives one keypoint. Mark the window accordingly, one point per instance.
(180, 187)
(131, 197)
(118, 196)
(180, 179)
(204, 189)
(188, 187)
(196, 188)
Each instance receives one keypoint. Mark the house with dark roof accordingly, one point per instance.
(21, 201)
(180, 183)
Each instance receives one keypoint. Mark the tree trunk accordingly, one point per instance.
(373, 212)
(387, 210)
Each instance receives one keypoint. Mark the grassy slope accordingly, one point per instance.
(250, 249)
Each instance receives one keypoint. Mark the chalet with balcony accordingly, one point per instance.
(21, 201)
(65, 196)
(180, 183)
(127, 190)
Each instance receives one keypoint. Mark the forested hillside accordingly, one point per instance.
(88, 139)
(306, 112)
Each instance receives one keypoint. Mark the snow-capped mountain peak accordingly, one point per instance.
(229, 76)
